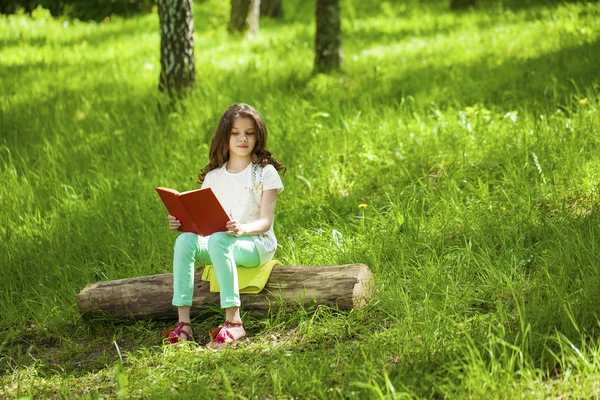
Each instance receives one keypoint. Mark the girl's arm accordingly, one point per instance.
(263, 223)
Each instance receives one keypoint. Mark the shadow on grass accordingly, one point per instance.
(77, 348)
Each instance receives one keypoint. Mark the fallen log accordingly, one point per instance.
(342, 286)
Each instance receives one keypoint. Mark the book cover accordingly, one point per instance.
(199, 211)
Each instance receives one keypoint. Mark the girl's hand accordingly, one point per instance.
(235, 228)
(174, 223)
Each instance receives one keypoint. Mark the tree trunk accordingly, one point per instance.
(254, 16)
(271, 8)
(328, 38)
(176, 46)
(460, 4)
(238, 21)
(343, 286)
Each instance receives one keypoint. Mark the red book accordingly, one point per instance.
(199, 211)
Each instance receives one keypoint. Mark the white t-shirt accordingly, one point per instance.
(240, 195)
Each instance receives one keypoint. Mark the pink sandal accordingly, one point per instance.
(221, 335)
(173, 334)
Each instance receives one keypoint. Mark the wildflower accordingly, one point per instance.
(362, 213)
(583, 101)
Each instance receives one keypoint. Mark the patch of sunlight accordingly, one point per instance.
(470, 44)
(590, 176)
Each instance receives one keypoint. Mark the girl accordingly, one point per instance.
(243, 174)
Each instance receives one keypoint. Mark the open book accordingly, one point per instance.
(199, 211)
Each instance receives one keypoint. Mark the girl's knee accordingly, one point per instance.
(220, 239)
(186, 240)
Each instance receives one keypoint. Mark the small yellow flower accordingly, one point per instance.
(363, 205)
(583, 101)
(106, 20)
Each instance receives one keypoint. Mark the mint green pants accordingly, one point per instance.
(224, 251)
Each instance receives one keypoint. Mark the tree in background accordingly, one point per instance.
(328, 38)
(458, 4)
(244, 14)
(253, 16)
(271, 8)
(238, 20)
(177, 68)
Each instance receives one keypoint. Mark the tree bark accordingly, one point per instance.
(238, 21)
(460, 4)
(176, 46)
(343, 286)
(328, 38)
(271, 8)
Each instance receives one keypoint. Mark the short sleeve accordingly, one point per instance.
(271, 179)
(206, 183)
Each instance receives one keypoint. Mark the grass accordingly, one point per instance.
(472, 138)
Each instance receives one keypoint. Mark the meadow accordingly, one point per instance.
(472, 137)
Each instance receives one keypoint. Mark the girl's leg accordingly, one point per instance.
(188, 248)
(226, 252)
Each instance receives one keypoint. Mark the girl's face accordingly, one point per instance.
(243, 138)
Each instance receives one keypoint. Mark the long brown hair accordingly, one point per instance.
(219, 147)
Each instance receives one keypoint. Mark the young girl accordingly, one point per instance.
(243, 174)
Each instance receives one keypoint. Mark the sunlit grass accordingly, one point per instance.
(472, 139)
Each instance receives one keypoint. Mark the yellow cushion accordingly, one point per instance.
(250, 280)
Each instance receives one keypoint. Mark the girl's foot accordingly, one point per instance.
(230, 332)
(182, 333)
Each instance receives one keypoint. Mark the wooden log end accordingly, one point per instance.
(364, 286)
(83, 298)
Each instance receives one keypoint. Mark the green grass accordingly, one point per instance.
(472, 137)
